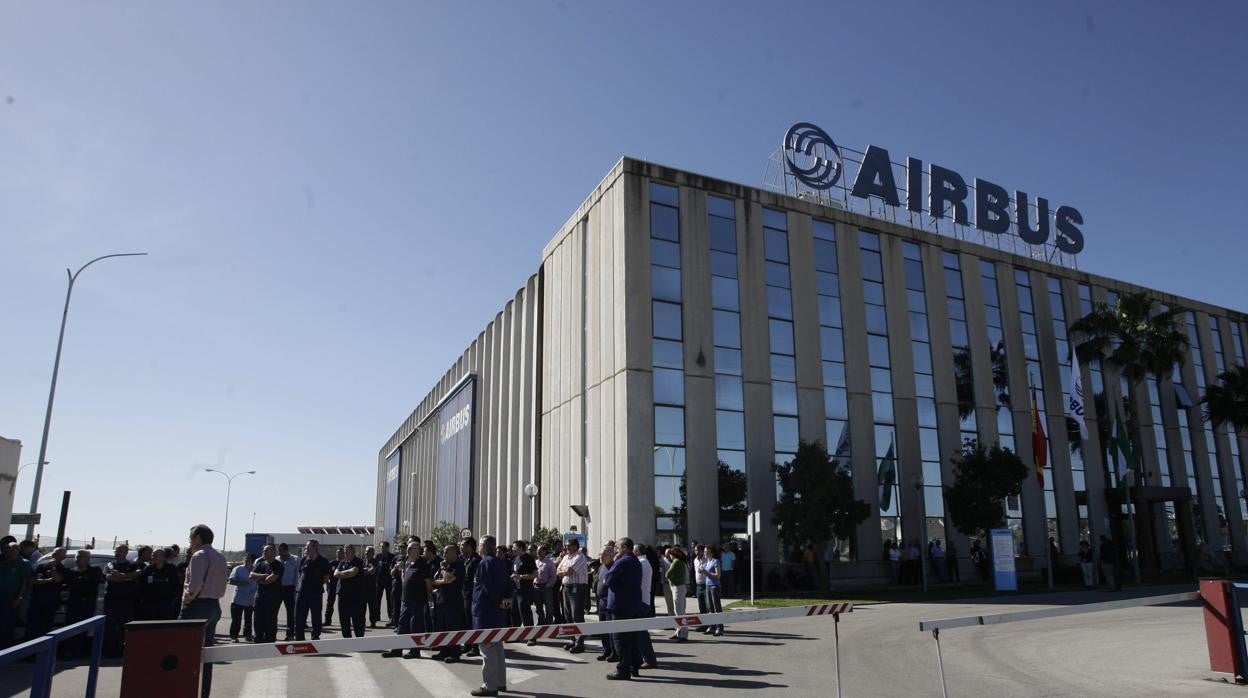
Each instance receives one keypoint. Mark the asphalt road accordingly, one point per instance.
(1146, 651)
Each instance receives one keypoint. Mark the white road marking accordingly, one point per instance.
(264, 683)
(558, 654)
(351, 677)
(435, 677)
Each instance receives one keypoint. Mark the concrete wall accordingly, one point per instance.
(504, 360)
(10, 456)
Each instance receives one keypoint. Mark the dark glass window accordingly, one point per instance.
(669, 425)
(728, 393)
(781, 336)
(725, 293)
(877, 323)
(669, 386)
(664, 194)
(730, 429)
(823, 230)
(668, 354)
(783, 368)
(718, 206)
(776, 245)
(724, 264)
(664, 222)
(726, 328)
(873, 292)
(775, 219)
(727, 360)
(832, 344)
(786, 434)
(666, 320)
(825, 255)
(669, 460)
(877, 350)
(777, 274)
(827, 283)
(664, 253)
(779, 303)
(829, 311)
(723, 234)
(834, 373)
(783, 397)
(665, 283)
(871, 267)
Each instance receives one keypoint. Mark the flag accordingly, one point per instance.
(1074, 408)
(887, 476)
(841, 456)
(1120, 443)
(1039, 441)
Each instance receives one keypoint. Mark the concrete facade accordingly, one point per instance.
(566, 377)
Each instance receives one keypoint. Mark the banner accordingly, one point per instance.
(1003, 573)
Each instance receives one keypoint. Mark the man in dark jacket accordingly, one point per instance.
(468, 552)
(491, 602)
(623, 581)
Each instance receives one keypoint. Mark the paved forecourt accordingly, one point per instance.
(1144, 651)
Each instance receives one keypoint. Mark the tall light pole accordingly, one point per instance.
(56, 367)
(530, 491)
(229, 483)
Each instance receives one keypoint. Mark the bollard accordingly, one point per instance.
(1223, 630)
(836, 630)
(162, 658)
(940, 661)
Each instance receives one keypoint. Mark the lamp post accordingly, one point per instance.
(229, 483)
(56, 367)
(530, 491)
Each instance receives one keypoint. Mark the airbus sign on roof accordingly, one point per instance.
(812, 158)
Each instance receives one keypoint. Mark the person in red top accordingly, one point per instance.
(204, 585)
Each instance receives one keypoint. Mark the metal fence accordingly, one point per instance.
(44, 650)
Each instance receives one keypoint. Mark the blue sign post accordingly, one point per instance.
(1003, 574)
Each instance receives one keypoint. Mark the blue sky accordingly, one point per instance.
(337, 197)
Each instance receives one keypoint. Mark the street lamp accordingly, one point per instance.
(530, 491)
(56, 367)
(229, 482)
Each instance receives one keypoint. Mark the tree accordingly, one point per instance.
(982, 479)
(546, 536)
(1226, 401)
(1132, 338)
(444, 534)
(816, 498)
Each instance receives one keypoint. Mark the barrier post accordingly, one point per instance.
(162, 658)
(940, 661)
(1223, 629)
(836, 649)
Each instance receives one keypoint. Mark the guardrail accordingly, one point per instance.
(935, 626)
(44, 650)
(373, 643)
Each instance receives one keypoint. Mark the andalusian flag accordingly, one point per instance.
(886, 475)
(1121, 443)
(1039, 441)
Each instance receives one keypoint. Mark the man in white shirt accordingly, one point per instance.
(648, 660)
(573, 568)
(699, 576)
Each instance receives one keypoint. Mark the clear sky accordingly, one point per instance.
(337, 197)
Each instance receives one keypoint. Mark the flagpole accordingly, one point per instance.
(1135, 548)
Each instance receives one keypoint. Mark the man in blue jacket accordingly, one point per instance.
(623, 581)
(491, 601)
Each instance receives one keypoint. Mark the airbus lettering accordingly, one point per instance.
(815, 160)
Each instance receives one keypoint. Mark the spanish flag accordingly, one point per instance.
(1039, 440)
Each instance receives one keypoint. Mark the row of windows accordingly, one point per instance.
(729, 397)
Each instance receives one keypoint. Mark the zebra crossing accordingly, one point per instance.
(371, 675)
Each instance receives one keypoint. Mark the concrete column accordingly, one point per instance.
(756, 367)
(1055, 416)
(949, 426)
(867, 537)
(905, 412)
(1034, 529)
(1091, 448)
(810, 412)
(981, 348)
(701, 461)
(634, 495)
(1204, 470)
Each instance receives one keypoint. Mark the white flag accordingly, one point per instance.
(1074, 409)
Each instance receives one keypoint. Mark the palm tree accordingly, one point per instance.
(1226, 401)
(1132, 338)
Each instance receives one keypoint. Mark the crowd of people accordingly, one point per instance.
(423, 587)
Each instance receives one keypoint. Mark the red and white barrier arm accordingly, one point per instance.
(379, 642)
